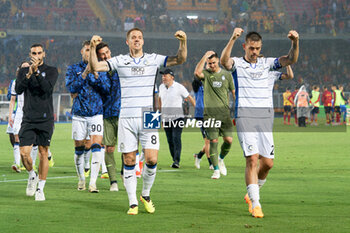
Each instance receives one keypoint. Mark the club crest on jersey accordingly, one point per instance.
(137, 70)
(43, 74)
(217, 84)
(223, 78)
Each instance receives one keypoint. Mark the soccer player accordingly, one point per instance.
(343, 101)
(315, 101)
(37, 83)
(197, 87)
(16, 121)
(253, 121)
(287, 106)
(87, 110)
(137, 72)
(327, 99)
(9, 129)
(338, 99)
(217, 83)
(111, 109)
(171, 96)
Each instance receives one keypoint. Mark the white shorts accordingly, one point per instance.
(17, 123)
(83, 127)
(255, 136)
(9, 129)
(131, 131)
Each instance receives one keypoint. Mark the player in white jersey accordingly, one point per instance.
(137, 72)
(253, 107)
(15, 122)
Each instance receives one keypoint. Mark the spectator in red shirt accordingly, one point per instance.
(327, 103)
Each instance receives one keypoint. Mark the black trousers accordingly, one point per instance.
(301, 121)
(173, 135)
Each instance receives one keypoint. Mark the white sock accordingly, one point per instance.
(49, 154)
(148, 175)
(142, 156)
(130, 184)
(253, 193)
(261, 183)
(34, 153)
(137, 160)
(79, 165)
(87, 154)
(95, 166)
(32, 174)
(41, 184)
(103, 162)
(16, 154)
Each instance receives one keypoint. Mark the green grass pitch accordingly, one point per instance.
(308, 190)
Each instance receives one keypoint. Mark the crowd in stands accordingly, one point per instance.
(329, 16)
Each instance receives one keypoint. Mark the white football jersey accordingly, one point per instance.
(253, 91)
(20, 99)
(137, 81)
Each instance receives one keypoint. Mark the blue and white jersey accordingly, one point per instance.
(252, 86)
(198, 111)
(90, 90)
(111, 102)
(137, 81)
(19, 98)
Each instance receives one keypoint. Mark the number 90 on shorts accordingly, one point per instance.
(82, 127)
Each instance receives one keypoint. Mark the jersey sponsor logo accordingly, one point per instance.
(256, 75)
(151, 120)
(217, 84)
(137, 70)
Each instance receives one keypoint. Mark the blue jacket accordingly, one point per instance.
(111, 102)
(198, 111)
(90, 91)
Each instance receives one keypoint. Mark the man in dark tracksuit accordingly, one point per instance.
(37, 83)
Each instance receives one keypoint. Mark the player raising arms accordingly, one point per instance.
(254, 125)
(137, 72)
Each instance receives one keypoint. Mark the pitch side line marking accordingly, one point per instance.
(66, 177)
(48, 178)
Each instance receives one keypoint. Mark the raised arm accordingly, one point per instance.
(192, 101)
(198, 72)
(225, 59)
(289, 75)
(181, 55)
(94, 64)
(293, 54)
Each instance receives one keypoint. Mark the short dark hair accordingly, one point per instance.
(85, 42)
(101, 45)
(131, 30)
(213, 55)
(253, 36)
(288, 89)
(37, 45)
